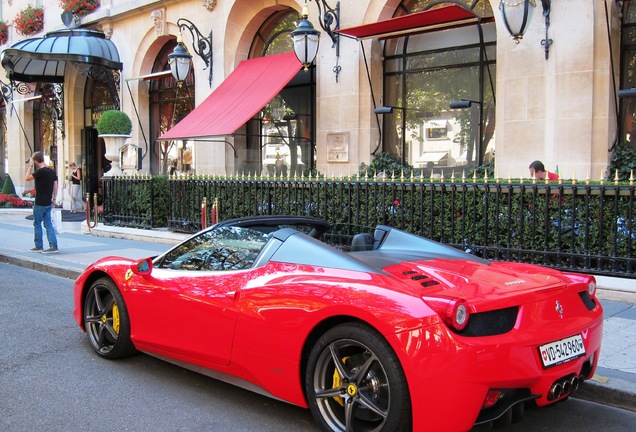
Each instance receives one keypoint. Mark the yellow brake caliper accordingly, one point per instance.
(337, 382)
(116, 319)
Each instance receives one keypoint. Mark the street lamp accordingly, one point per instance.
(180, 59)
(385, 109)
(517, 15)
(463, 103)
(306, 38)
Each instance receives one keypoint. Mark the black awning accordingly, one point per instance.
(44, 59)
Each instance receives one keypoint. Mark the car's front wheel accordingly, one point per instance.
(354, 382)
(106, 320)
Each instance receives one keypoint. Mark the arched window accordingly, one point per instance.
(628, 75)
(423, 74)
(3, 138)
(169, 103)
(280, 140)
(46, 112)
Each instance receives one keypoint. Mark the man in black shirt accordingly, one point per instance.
(45, 193)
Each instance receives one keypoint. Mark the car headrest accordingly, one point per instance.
(362, 242)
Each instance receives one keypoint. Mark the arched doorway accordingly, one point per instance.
(280, 139)
(98, 98)
(48, 117)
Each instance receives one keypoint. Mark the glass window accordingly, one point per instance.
(423, 74)
(628, 75)
(169, 103)
(224, 248)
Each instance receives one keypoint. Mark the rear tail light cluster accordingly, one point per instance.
(455, 312)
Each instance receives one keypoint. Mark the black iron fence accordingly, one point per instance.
(570, 226)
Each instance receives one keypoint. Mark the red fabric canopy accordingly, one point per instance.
(431, 19)
(243, 94)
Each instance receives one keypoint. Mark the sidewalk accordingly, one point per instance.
(613, 384)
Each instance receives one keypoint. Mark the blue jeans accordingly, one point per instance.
(43, 214)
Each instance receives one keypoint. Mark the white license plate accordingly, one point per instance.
(562, 351)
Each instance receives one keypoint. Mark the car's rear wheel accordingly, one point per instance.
(354, 382)
(106, 320)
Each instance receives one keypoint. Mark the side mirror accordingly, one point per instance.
(142, 267)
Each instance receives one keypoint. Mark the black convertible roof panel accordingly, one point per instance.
(299, 248)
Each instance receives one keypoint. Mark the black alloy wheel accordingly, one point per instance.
(106, 320)
(354, 382)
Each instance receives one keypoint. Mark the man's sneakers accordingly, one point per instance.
(51, 250)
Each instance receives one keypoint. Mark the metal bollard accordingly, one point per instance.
(204, 206)
(88, 210)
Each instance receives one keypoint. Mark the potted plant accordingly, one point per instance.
(79, 7)
(114, 127)
(4, 32)
(29, 20)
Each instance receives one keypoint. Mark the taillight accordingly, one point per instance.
(454, 312)
(591, 288)
(492, 398)
(460, 315)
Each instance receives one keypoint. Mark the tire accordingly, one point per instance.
(354, 382)
(106, 320)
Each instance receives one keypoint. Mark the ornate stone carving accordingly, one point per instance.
(157, 16)
(209, 4)
(107, 28)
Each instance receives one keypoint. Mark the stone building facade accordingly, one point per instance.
(558, 104)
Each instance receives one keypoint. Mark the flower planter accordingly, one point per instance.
(113, 144)
(79, 7)
(29, 20)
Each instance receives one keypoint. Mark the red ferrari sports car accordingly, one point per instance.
(388, 332)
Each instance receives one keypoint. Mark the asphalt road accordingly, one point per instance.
(50, 380)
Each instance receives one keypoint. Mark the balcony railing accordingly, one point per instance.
(570, 226)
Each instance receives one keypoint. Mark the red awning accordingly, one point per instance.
(431, 19)
(243, 94)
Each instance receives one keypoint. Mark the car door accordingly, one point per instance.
(186, 308)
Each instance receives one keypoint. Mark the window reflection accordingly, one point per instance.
(225, 248)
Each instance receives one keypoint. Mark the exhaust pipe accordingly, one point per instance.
(575, 383)
(555, 391)
(567, 387)
(563, 387)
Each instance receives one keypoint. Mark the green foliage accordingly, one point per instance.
(387, 164)
(482, 170)
(8, 188)
(114, 122)
(623, 160)
(161, 196)
(136, 203)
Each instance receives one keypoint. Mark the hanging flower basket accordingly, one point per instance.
(4, 32)
(79, 7)
(29, 20)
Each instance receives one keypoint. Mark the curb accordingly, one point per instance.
(604, 394)
(56, 270)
